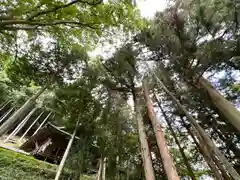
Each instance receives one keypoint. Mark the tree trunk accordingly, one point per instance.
(168, 164)
(205, 136)
(4, 105)
(207, 156)
(21, 125)
(42, 123)
(221, 103)
(64, 158)
(100, 170)
(185, 159)
(22, 110)
(6, 114)
(104, 168)
(146, 155)
(30, 126)
(205, 153)
(214, 158)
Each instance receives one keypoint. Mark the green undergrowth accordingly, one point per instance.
(16, 166)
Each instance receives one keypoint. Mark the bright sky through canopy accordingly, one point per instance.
(148, 8)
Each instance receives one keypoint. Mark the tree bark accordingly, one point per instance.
(207, 156)
(167, 160)
(205, 136)
(185, 159)
(42, 123)
(214, 158)
(146, 155)
(4, 105)
(64, 158)
(104, 168)
(20, 126)
(22, 110)
(30, 126)
(100, 170)
(205, 153)
(221, 103)
(6, 114)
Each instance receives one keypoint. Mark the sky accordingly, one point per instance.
(149, 7)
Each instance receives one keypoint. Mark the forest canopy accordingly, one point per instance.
(164, 103)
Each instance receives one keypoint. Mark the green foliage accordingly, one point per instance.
(18, 166)
(45, 39)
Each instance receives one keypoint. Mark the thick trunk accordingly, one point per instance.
(146, 155)
(21, 125)
(21, 111)
(64, 158)
(221, 103)
(30, 126)
(167, 161)
(185, 159)
(205, 136)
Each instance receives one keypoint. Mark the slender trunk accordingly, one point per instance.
(22, 110)
(104, 169)
(146, 156)
(185, 159)
(4, 105)
(167, 160)
(6, 115)
(221, 168)
(30, 127)
(214, 158)
(100, 170)
(127, 170)
(64, 158)
(20, 126)
(205, 153)
(205, 136)
(42, 123)
(221, 103)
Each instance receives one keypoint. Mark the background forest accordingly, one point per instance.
(161, 102)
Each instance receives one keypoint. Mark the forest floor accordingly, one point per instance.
(16, 166)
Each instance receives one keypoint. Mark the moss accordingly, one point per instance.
(84, 177)
(16, 166)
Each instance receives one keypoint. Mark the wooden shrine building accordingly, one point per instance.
(48, 144)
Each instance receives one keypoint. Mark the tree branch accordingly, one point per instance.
(9, 24)
(56, 8)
